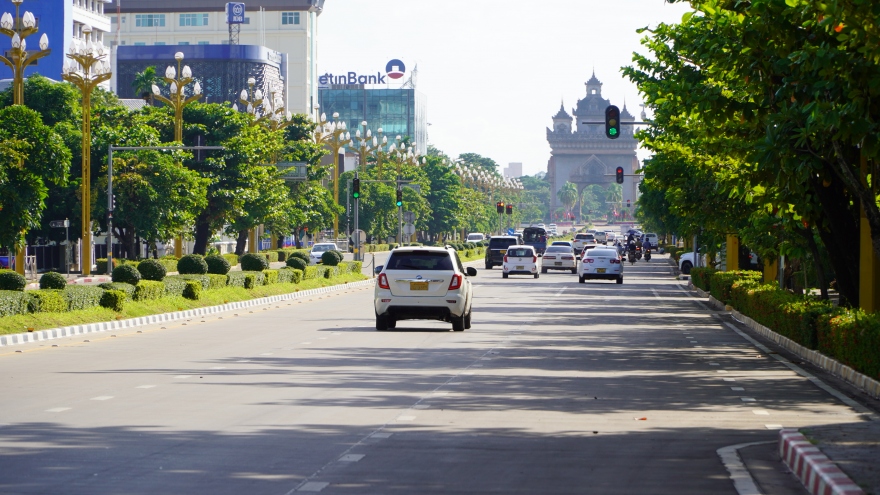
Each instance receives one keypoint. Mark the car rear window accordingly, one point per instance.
(501, 243)
(419, 260)
(520, 252)
(602, 252)
(558, 249)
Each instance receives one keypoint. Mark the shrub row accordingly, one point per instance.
(849, 335)
(71, 298)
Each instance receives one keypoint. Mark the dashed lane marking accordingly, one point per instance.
(102, 397)
(58, 409)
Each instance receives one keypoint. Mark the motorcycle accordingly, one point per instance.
(638, 253)
(648, 254)
(632, 258)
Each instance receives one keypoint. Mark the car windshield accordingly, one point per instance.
(534, 236)
(558, 249)
(582, 236)
(321, 247)
(520, 252)
(419, 260)
(501, 242)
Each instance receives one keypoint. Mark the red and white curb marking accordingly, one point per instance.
(812, 467)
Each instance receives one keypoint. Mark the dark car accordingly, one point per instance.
(497, 247)
(535, 237)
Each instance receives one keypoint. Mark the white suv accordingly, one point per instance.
(423, 283)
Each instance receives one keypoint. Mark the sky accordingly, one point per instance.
(494, 71)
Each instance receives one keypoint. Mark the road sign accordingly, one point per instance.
(409, 217)
(510, 231)
(59, 224)
(409, 229)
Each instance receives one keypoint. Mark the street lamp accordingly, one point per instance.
(177, 100)
(18, 58)
(365, 145)
(86, 69)
(333, 134)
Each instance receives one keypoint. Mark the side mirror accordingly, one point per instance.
(378, 269)
(471, 271)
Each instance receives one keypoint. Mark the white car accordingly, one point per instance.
(319, 249)
(600, 237)
(476, 237)
(581, 240)
(602, 263)
(559, 257)
(423, 283)
(520, 259)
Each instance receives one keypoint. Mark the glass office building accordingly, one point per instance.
(397, 111)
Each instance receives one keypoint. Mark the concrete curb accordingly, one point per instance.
(818, 474)
(831, 365)
(57, 333)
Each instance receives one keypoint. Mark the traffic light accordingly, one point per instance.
(500, 206)
(620, 175)
(356, 188)
(612, 122)
(510, 209)
(399, 198)
(627, 203)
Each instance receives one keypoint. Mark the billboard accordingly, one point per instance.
(234, 13)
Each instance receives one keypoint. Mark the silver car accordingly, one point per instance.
(559, 258)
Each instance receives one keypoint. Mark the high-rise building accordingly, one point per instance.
(513, 169)
(285, 26)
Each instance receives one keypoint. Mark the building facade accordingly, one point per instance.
(513, 170)
(61, 21)
(399, 112)
(583, 155)
(221, 70)
(286, 26)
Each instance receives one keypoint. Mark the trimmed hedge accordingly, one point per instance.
(151, 270)
(271, 276)
(331, 258)
(169, 262)
(217, 265)
(13, 302)
(205, 280)
(297, 263)
(10, 280)
(53, 280)
(128, 289)
(174, 286)
(47, 301)
(253, 262)
(253, 279)
(303, 255)
(235, 279)
(216, 281)
(127, 274)
(289, 276)
(271, 256)
(310, 272)
(114, 300)
(147, 290)
(82, 296)
(853, 338)
(193, 290)
(192, 264)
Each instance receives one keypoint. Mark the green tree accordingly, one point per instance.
(142, 85)
(476, 160)
(568, 195)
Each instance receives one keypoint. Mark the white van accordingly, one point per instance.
(652, 238)
(475, 237)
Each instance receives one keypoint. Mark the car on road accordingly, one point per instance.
(563, 243)
(319, 249)
(475, 237)
(559, 257)
(582, 239)
(535, 237)
(521, 260)
(602, 263)
(424, 283)
(600, 237)
(497, 247)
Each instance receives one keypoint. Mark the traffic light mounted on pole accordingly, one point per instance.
(356, 188)
(612, 122)
(620, 175)
(499, 206)
(510, 209)
(399, 202)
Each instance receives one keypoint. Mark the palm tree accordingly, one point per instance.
(568, 195)
(143, 83)
(614, 195)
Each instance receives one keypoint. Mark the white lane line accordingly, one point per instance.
(58, 409)
(351, 457)
(181, 377)
(406, 418)
(440, 393)
(739, 474)
(761, 412)
(421, 406)
(381, 434)
(747, 399)
(312, 486)
(773, 427)
(800, 371)
(729, 379)
(269, 353)
(737, 389)
(102, 397)
(219, 368)
(243, 361)
(720, 371)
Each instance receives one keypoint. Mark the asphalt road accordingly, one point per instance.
(559, 387)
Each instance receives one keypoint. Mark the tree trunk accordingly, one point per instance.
(203, 233)
(839, 232)
(240, 242)
(820, 267)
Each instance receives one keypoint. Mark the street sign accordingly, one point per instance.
(362, 235)
(292, 171)
(510, 231)
(409, 229)
(59, 224)
(409, 217)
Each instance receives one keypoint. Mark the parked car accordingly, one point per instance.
(423, 283)
(319, 249)
(601, 263)
(520, 260)
(559, 257)
(497, 247)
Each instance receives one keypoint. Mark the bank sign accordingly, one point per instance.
(235, 13)
(394, 69)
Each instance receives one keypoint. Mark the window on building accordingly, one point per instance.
(183, 42)
(288, 18)
(247, 20)
(149, 20)
(159, 43)
(193, 19)
(139, 43)
(204, 42)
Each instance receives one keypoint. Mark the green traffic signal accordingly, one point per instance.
(399, 198)
(356, 188)
(612, 131)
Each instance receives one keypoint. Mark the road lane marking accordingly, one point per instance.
(747, 399)
(313, 486)
(773, 427)
(352, 457)
(739, 474)
(145, 386)
(58, 409)
(737, 389)
(729, 379)
(102, 397)
(406, 418)
(761, 412)
(381, 434)
(181, 377)
(218, 368)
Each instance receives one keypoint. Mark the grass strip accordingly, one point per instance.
(134, 309)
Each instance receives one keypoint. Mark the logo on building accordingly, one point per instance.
(395, 69)
(234, 13)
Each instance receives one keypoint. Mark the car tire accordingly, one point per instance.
(574, 270)
(581, 279)
(537, 275)
(458, 324)
(488, 266)
(467, 320)
(392, 323)
(381, 322)
(543, 270)
(686, 267)
(619, 280)
(503, 275)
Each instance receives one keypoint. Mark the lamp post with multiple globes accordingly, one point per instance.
(333, 134)
(86, 69)
(18, 58)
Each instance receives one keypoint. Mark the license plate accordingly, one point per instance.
(418, 286)
(520, 267)
(600, 270)
(558, 263)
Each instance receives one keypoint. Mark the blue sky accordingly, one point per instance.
(494, 71)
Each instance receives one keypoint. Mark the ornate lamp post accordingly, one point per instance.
(87, 69)
(18, 58)
(380, 151)
(365, 145)
(334, 135)
(177, 100)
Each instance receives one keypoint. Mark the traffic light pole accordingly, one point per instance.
(357, 232)
(399, 218)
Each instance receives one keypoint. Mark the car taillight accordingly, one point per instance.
(568, 257)
(614, 260)
(534, 259)
(588, 260)
(505, 258)
(383, 281)
(455, 283)
(549, 257)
